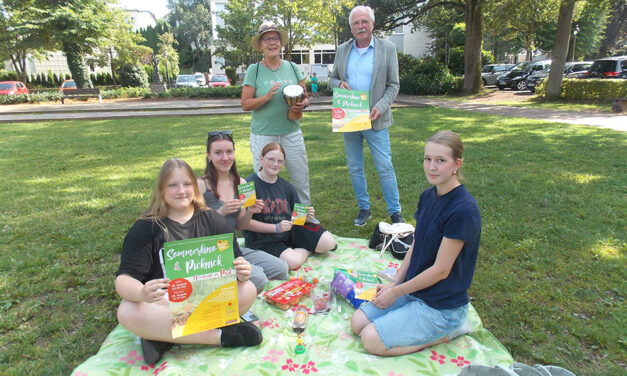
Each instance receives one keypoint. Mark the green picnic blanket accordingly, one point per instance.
(331, 348)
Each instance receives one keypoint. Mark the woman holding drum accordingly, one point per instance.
(268, 88)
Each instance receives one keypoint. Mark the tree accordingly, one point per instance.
(298, 17)
(562, 37)
(333, 21)
(75, 27)
(191, 24)
(168, 54)
(20, 34)
(391, 14)
(241, 22)
(123, 47)
(616, 29)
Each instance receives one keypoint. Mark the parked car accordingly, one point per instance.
(68, 85)
(186, 80)
(515, 78)
(200, 78)
(570, 69)
(219, 80)
(490, 72)
(577, 69)
(13, 88)
(609, 67)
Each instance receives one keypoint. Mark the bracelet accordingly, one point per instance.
(277, 227)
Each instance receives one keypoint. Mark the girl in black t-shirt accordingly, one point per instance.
(177, 212)
(271, 230)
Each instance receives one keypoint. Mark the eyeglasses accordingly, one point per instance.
(271, 39)
(217, 133)
(275, 161)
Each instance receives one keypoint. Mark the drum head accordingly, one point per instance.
(293, 91)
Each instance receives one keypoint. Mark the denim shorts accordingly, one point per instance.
(411, 322)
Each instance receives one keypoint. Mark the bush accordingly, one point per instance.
(132, 76)
(587, 89)
(324, 88)
(127, 92)
(203, 92)
(31, 98)
(231, 73)
(427, 77)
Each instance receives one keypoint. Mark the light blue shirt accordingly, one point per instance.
(360, 67)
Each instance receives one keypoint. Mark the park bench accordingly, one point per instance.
(619, 104)
(81, 93)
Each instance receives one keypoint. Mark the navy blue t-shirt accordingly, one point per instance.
(456, 216)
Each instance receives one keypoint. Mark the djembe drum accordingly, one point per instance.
(293, 94)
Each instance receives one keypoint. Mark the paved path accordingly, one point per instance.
(172, 108)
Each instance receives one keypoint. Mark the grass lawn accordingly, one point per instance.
(551, 276)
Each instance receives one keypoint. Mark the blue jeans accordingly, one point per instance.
(379, 144)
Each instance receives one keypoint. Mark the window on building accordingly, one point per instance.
(324, 56)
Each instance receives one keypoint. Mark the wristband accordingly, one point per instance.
(277, 227)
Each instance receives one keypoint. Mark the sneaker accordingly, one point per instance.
(154, 350)
(242, 334)
(362, 217)
(397, 218)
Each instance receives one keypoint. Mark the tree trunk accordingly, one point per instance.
(472, 47)
(77, 65)
(562, 37)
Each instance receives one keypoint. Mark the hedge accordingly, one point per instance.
(203, 92)
(31, 98)
(587, 89)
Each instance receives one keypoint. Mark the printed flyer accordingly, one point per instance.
(365, 282)
(247, 192)
(203, 287)
(351, 110)
(299, 214)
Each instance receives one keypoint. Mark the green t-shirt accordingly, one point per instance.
(271, 118)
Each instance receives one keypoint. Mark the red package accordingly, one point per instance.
(288, 294)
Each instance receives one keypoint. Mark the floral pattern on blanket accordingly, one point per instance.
(331, 348)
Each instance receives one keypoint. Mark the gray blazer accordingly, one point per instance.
(385, 82)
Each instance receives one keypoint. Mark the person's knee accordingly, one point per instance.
(326, 243)
(359, 320)
(127, 314)
(372, 342)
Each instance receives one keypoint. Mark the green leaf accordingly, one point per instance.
(352, 365)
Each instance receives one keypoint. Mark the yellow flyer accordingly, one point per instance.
(299, 214)
(247, 192)
(351, 110)
(202, 293)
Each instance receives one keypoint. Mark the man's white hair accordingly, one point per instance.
(358, 8)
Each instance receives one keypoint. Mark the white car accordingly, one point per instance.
(200, 78)
(186, 80)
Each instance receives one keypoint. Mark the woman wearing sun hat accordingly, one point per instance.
(263, 95)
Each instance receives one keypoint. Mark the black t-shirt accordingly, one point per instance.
(279, 199)
(144, 242)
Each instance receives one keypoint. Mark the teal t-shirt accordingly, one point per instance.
(271, 118)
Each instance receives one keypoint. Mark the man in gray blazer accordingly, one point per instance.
(369, 63)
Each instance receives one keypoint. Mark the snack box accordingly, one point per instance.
(288, 294)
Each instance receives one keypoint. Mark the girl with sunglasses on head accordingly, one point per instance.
(219, 189)
(177, 212)
(271, 230)
(429, 292)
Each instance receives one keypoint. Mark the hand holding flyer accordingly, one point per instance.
(247, 193)
(299, 215)
(351, 110)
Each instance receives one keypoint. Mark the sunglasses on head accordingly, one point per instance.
(217, 133)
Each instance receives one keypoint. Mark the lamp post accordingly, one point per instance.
(575, 40)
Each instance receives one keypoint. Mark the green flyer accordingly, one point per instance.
(351, 110)
(202, 293)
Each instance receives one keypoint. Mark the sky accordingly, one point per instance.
(157, 7)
